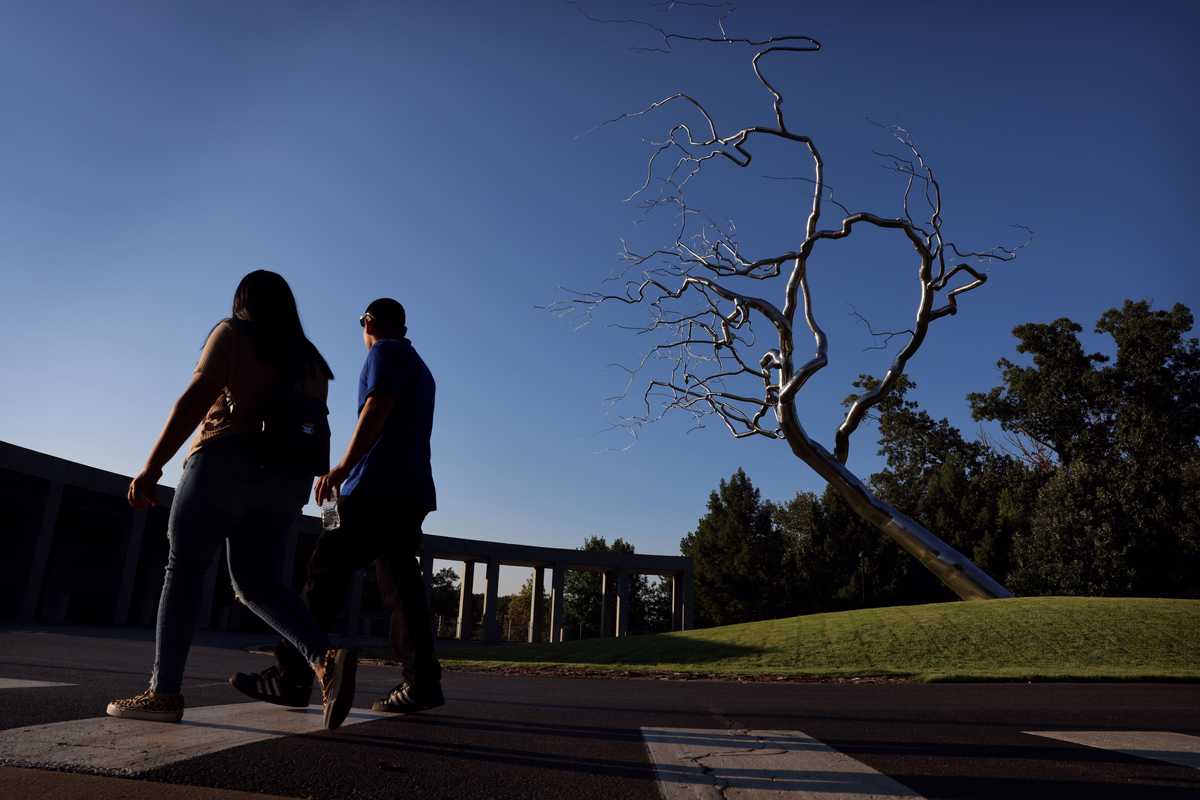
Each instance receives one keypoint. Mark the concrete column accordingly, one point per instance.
(491, 626)
(557, 605)
(133, 549)
(535, 607)
(41, 552)
(689, 602)
(466, 602)
(354, 603)
(677, 601)
(608, 592)
(210, 590)
(624, 596)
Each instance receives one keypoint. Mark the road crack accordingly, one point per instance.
(719, 784)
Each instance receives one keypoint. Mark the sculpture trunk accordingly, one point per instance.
(951, 567)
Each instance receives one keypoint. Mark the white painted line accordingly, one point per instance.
(1174, 748)
(14, 683)
(129, 747)
(705, 764)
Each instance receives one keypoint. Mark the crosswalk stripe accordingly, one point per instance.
(129, 747)
(706, 764)
(1173, 748)
(15, 683)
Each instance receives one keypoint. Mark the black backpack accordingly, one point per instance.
(293, 429)
(295, 432)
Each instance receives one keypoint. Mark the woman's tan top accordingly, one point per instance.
(229, 359)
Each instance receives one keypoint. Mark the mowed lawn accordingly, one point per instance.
(1037, 638)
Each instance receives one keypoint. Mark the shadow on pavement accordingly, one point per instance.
(933, 785)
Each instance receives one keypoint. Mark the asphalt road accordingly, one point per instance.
(520, 737)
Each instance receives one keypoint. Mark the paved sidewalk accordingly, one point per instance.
(27, 783)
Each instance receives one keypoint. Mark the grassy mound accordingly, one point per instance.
(1037, 638)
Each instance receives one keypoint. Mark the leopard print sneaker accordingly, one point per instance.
(336, 672)
(149, 705)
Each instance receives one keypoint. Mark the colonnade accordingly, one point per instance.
(616, 597)
(79, 553)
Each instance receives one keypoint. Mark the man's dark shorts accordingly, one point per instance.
(374, 530)
(371, 529)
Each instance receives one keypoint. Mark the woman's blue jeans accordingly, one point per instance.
(223, 495)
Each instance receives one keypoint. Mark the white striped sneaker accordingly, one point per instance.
(404, 699)
(273, 685)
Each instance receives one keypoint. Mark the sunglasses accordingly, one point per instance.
(362, 320)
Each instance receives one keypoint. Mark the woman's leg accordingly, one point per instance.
(338, 554)
(254, 566)
(273, 504)
(197, 523)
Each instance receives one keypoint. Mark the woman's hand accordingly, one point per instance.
(189, 409)
(329, 483)
(142, 488)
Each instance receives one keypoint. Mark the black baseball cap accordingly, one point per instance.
(387, 311)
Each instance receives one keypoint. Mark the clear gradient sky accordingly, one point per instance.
(153, 153)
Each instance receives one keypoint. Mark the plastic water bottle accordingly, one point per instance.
(330, 518)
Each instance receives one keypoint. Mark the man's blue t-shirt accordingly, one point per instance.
(397, 465)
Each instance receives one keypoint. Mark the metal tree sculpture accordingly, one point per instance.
(695, 291)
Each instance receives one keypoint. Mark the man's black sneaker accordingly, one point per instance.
(404, 699)
(272, 685)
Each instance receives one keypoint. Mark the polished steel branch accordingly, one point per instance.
(708, 341)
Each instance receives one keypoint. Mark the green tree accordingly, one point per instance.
(515, 620)
(656, 606)
(582, 596)
(444, 594)
(1117, 514)
(503, 604)
(822, 562)
(738, 557)
(1098, 491)
(975, 497)
(1056, 401)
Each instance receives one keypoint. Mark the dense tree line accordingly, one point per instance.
(1092, 489)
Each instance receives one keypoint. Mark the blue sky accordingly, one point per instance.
(153, 153)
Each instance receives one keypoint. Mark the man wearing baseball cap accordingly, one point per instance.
(386, 490)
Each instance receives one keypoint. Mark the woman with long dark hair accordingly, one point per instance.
(256, 376)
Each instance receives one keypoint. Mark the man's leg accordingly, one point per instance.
(402, 644)
(338, 555)
(411, 621)
(403, 588)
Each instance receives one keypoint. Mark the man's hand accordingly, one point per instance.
(330, 483)
(141, 492)
(370, 424)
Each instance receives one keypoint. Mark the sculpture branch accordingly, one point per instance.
(695, 291)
